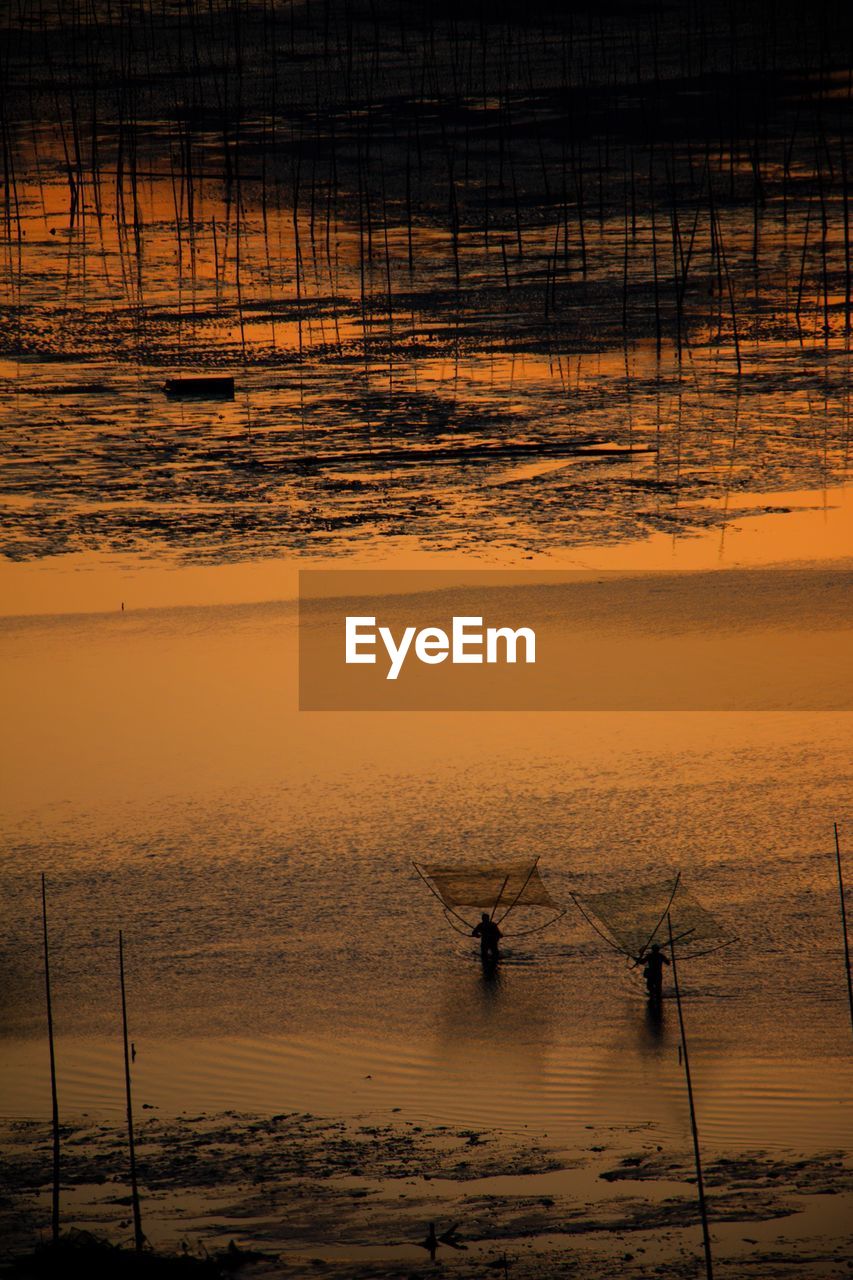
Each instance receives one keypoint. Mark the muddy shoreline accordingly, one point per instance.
(420, 241)
(324, 1197)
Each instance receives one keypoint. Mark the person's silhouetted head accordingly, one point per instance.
(485, 917)
(655, 947)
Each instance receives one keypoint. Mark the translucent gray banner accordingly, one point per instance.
(764, 640)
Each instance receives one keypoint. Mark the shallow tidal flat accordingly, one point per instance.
(479, 286)
(330, 1199)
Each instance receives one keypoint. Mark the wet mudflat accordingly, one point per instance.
(427, 247)
(302, 1195)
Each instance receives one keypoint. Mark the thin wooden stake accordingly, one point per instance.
(53, 1091)
(138, 1237)
(700, 1185)
(844, 921)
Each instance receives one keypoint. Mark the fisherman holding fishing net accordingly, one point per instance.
(630, 919)
(490, 935)
(654, 961)
(498, 890)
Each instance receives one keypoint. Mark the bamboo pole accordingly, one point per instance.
(500, 895)
(53, 1092)
(844, 921)
(700, 1186)
(138, 1237)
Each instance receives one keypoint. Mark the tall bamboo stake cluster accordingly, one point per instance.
(291, 128)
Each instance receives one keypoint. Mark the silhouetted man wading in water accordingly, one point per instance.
(490, 935)
(653, 972)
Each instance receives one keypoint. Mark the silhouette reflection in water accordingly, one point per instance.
(653, 1027)
(490, 969)
(480, 1002)
(432, 1242)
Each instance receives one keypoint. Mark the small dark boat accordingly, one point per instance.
(200, 388)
